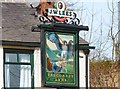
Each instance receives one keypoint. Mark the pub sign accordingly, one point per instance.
(61, 61)
(59, 44)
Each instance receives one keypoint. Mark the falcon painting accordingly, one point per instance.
(60, 52)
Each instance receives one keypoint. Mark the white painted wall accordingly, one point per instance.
(1, 68)
(37, 67)
(82, 70)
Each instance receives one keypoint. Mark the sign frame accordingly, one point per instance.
(44, 59)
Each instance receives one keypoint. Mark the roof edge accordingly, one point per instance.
(83, 47)
(18, 43)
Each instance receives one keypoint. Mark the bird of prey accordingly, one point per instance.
(66, 53)
(67, 49)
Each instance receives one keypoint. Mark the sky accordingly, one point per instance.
(102, 15)
(101, 20)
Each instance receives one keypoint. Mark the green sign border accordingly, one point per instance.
(43, 56)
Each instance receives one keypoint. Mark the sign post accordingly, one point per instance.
(60, 54)
(60, 46)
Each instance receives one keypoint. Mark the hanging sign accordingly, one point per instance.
(53, 12)
(60, 10)
(60, 13)
(60, 59)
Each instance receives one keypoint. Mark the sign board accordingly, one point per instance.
(61, 13)
(60, 10)
(59, 44)
(53, 12)
(61, 66)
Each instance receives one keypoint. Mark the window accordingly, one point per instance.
(18, 67)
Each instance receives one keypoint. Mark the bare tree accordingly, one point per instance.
(111, 33)
(103, 73)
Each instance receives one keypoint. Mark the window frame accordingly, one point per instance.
(19, 51)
